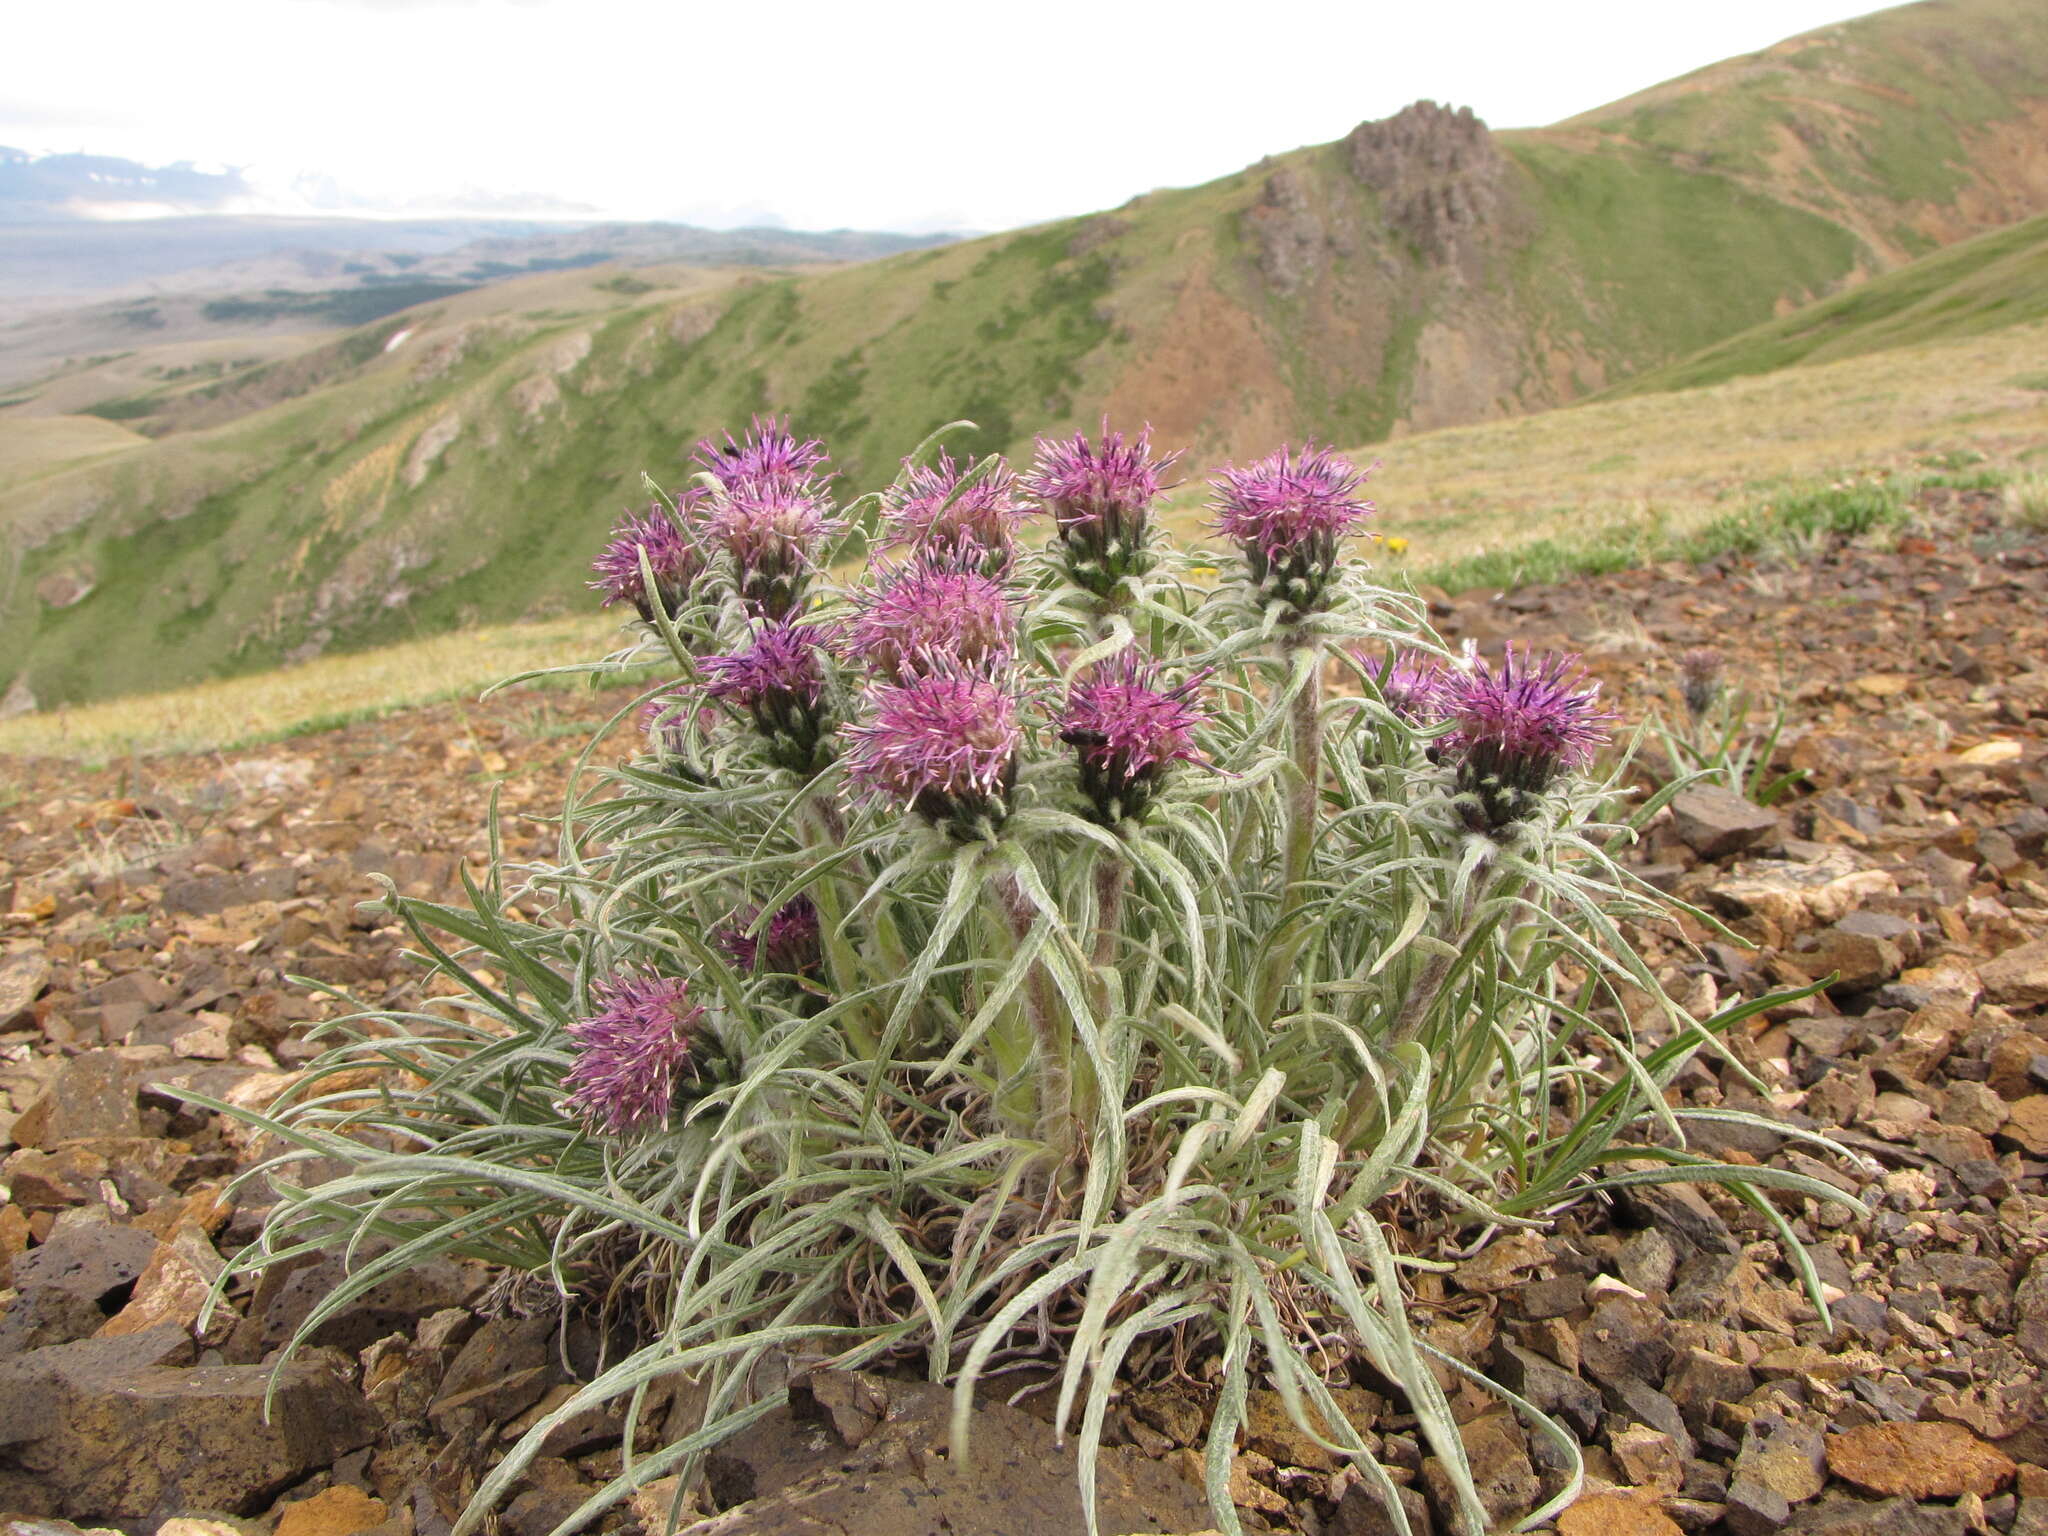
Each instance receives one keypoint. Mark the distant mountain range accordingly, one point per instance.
(71, 228)
(37, 189)
(458, 461)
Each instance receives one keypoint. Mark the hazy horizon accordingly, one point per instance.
(921, 118)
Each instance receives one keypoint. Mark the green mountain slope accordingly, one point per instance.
(1420, 272)
(1995, 280)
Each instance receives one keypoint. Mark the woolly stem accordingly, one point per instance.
(842, 965)
(1055, 1045)
(1111, 878)
(1304, 808)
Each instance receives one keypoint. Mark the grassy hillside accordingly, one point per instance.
(1995, 280)
(1419, 273)
(1585, 487)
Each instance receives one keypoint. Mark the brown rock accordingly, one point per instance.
(1249, 1488)
(1796, 896)
(85, 1268)
(1858, 961)
(1843, 1516)
(1172, 1413)
(1717, 823)
(1648, 1457)
(1923, 1042)
(1502, 1262)
(1012, 1480)
(2019, 977)
(22, 979)
(101, 1428)
(1973, 1106)
(500, 1372)
(1270, 1431)
(1786, 1457)
(1625, 1340)
(2009, 1068)
(2030, 1303)
(2027, 1123)
(92, 1096)
(1918, 1461)
(338, 1511)
(174, 1288)
(1363, 1512)
(1506, 1482)
(1616, 1514)
(13, 1241)
(1700, 1379)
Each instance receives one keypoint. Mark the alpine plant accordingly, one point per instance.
(1019, 955)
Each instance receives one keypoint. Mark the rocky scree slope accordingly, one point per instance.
(151, 912)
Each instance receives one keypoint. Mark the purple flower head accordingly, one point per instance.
(930, 615)
(673, 558)
(1412, 685)
(782, 662)
(1100, 495)
(1700, 673)
(772, 532)
(788, 946)
(940, 512)
(1129, 731)
(771, 458)
(1287, 513)
(1519, 725)
(780, 681)
(632, 1053)
(944, 744)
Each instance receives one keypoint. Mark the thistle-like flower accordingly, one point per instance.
(1411, 683)
(770, 459)
(930, 616)
(788, 945)
(1518, 726)
(1128, 732)
(773, 533)
(1286, 513)
(780, 681)
(671, 555)
(1700, 672)
(943, 744)
(947, 513)
(1100, 496)
(633, 1053)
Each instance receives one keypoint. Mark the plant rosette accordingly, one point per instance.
(1020, 948)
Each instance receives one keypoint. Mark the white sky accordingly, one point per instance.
(878, 114)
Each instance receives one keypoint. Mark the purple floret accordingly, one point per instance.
(929, 615)
(1128, 731)
(1107, 485)
(1518, 726)
(1284, 505)
(789, 945)
(1100, 496)
(632, 1053)
(780, 681)
(770, 458)
(971, 526)
(944, 744)
(782, 662)
(674, 560)
(1412, 684)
